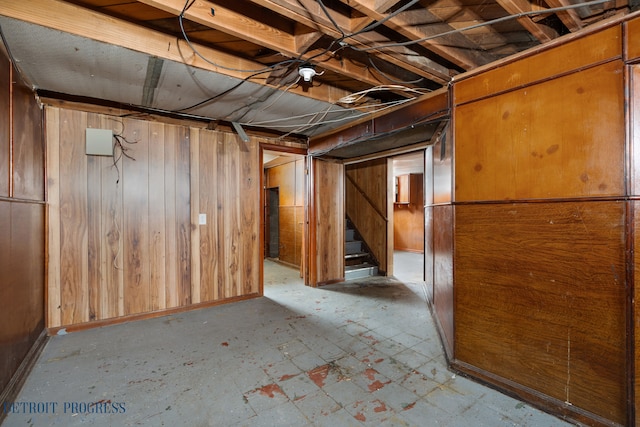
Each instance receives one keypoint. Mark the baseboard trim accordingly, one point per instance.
(545, 403)
(143, 316)
(11, 391)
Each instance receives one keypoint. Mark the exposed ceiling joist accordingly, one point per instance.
(238, 60)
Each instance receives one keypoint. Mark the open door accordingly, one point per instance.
(325, 224)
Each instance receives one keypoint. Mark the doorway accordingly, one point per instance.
(283, 203)
(273, 223)
(409, 216)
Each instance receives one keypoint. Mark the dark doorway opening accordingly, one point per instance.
(273, 222)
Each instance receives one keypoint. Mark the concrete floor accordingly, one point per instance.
(351, 354)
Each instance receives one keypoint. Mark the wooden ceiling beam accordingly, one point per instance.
(56, 14)
(569, 17)
(309, 13)
(541, 32)
(230, 22)
(411, 31)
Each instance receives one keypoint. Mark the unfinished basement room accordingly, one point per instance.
(319, 213)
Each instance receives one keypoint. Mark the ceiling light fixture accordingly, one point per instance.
(307, 72)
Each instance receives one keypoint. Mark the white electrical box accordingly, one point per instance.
(99, 142)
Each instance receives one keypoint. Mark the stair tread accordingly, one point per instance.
(356, 255)
(359, 266)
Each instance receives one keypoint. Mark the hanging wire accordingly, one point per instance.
(481, 24)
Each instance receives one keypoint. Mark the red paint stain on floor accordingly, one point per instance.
(270, 390)
(225, 344)
(377, 385)
(370, 373)
(360, 417)
(379, 360)
(287, 377)
(319, 375)
(381, 406)
(409, 406)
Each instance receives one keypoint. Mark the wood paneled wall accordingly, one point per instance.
(439, 224)
(367, 205)
(633, 57)
(22, 228)
(125, 239)
(408, 218)
(540, 267)
(326, 246)
(289, 178)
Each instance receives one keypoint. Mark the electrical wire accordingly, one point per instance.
(354, 115)
(391, 79)
(481, 24)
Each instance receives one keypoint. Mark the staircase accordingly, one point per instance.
(358, 260)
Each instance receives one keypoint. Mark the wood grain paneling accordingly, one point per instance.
(634, 188)
(120, 237)
(632, 40)
(408, 218)
(366, 205)
(634, 130)
(443, 273)
(545, 141)
(635, 311)
(289, 179)
(22, 229)
(22, 263)
(329, 218)
(229, 195)
(73, 249)
(578, 54)
(6, 69)
(28, 147)
(540, 299)
(408, 224)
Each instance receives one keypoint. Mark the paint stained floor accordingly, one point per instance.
(351, 354)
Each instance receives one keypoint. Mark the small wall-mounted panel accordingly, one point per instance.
(99, 142)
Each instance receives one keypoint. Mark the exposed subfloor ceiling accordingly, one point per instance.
(238, 61)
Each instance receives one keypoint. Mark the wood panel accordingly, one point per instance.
(632, 40)
(27, 144)
(74, 297)
(229, 195)
(634, 176)
(366, 205)
(287, 250)
(443, 274)
(578, 54)
(118, 233)
(289, 179)
(545, 141)
(634, 130)
(408, 223)
(428, 222)
(540, 299)
(635, 312)
(136, 254)
(22, 227)
(408, 218)
(328, 204)
(120, 236)
(22, 264)
(6, 69)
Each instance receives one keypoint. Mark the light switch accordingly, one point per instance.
(202, 219)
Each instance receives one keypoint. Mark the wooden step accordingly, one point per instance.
(360, 271)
